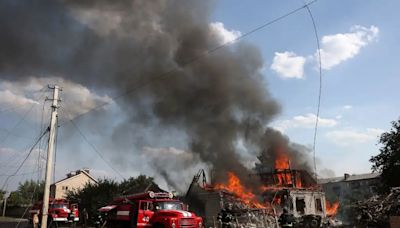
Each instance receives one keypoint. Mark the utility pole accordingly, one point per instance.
(4, 206)
(50, 149)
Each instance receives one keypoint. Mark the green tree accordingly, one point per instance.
(94, 196)
(138, 184)
(27, 192)
(388, 160)
(2, 194)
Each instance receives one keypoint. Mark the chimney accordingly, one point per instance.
(71, 174)
(346, 176)
(86, 170)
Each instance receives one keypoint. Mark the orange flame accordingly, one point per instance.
(282, 164)
(281, 160)
(235, 186)
(298, 181)
(331, 210)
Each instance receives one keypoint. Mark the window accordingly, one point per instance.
(318, 205)
(144, 205)
(169, 205)
(300, 205)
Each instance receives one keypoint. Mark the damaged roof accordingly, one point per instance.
(353, 177)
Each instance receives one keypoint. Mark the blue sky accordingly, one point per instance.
(359, 40)
(359, 94)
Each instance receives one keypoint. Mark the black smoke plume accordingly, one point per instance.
(126, 45)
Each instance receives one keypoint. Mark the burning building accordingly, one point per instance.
(159, 61)
(279, 187)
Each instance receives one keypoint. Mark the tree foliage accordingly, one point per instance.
(388, 160)
(2, 194)
(26, 193)
(139, 184)
(94, 196)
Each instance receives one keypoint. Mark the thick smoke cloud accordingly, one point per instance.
(123, 45)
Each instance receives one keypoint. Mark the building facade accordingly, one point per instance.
(75, 180)
(350, 188)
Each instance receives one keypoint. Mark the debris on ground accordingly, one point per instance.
(376, 211)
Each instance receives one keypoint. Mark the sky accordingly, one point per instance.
(359, 47)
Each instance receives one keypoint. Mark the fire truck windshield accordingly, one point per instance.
(169, 206)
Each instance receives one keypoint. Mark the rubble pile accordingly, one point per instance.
(236, 213)
(376, 210)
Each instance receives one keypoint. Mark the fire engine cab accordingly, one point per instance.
(60, 211)
(149, 209)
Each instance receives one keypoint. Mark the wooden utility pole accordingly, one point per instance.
(50, 150)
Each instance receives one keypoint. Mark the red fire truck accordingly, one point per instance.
(149, 209)
(60, 211)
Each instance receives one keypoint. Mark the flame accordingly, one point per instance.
(235, 186)
(281, 160)
(298, 181)
(331, 210)
(282, 165)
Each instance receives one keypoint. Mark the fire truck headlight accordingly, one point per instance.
(173, 225)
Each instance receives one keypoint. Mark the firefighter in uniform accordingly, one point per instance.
(225, 218)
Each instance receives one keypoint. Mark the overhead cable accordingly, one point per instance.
(26, 157)
(200, 56)
(319, 90)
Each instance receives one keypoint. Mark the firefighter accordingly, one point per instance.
(225, 218)
(85, 217)
(286, 219)
(35, 220)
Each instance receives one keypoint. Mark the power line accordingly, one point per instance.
(320, 88)
(33, 195)
(9, 132)
(21, 174)
(90, 144)
(26, 157)
(95, 149)
(163, 75)
(200, 56)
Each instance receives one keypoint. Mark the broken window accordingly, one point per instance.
(318, 205)
(300, 205)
